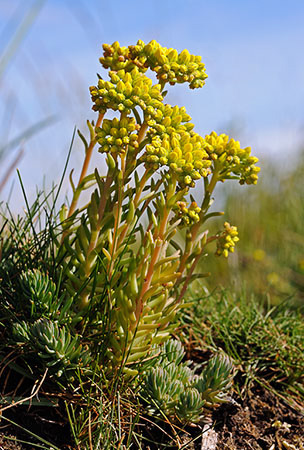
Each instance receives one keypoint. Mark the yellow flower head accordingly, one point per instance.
(169, 65)
(115, 136)
(174, 145)
(188, 214)
(125, 91)
(226, 240)
(232, 160)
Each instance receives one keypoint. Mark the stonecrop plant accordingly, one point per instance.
(120, 251)
(172, 389)
(121, 268)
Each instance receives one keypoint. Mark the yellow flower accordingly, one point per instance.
(125, 91)
(226, 240)
(115, 135)
(177, 146)
(259, 254)
(188, 215)
(273, 278)
(169, 66)
(232, 160)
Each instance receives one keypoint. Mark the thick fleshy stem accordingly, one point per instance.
(192, 268)
(117, 241)
(117, 215)
(159, 241)
(85, 165)
(195, 228)
(136, 200)
(84, 296)
(142, 132)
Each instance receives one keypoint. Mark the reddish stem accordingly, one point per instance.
(85, 165)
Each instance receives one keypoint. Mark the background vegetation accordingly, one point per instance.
(269, 260)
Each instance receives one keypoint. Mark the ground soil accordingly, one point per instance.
(262, 421)
(9, 442)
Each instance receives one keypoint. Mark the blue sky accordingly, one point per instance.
(253, 51)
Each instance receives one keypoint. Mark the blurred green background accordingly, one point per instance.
(269, 258)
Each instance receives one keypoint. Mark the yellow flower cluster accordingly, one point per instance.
(169, 65)
(116, 58)
(115, 135)
(125, 91)
(170, 140)
(188, 215)
(227, 240)
(183, 153)
(235, 162)
(170, 119)
(175, 145)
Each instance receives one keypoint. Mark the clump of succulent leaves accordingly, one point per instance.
(175, 391)
(47, 330)
(119, 272)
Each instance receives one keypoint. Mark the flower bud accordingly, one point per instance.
(172, 55)
(184, 57)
